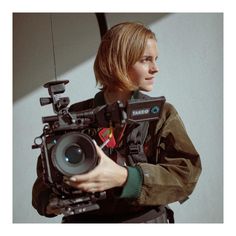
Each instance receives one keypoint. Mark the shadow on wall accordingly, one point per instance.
(76, 38)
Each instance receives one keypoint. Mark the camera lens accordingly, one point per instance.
(74, 154)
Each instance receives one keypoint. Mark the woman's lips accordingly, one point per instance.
(150, 80)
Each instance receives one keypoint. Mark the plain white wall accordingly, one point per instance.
(191, 78)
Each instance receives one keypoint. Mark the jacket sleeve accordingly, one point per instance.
(176, 173)
(40, 192)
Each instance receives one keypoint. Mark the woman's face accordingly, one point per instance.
(142, 73)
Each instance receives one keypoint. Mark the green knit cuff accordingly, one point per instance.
(133, 185)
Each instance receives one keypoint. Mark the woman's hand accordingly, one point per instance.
(107, 174)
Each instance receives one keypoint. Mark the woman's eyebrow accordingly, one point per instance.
(148, 56)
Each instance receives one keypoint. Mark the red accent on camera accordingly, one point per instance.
(104, 134)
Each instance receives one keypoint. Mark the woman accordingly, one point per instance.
(137, 191)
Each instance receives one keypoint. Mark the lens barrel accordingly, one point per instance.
(74, 154)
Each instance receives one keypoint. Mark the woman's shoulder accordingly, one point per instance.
(168, 111)
(97, 100)
(169, 107)
(83, 105)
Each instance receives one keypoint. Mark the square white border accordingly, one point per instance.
(7, 8)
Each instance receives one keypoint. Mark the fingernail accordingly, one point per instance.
(73, 179)
(94, 142)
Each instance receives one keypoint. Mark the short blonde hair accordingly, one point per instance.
(121, 47)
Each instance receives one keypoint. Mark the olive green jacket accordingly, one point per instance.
(179, 166)
(172, 179)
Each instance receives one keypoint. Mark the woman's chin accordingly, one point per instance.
(146, 88)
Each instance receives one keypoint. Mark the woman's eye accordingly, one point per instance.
(145, 60)
(148, 60)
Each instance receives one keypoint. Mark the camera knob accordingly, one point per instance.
(45, 101)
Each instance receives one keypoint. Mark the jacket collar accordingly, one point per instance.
(99, 99)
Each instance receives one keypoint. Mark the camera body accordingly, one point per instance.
(67, 146)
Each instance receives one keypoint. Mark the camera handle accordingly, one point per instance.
(78, 205)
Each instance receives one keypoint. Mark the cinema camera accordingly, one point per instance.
(67, 146)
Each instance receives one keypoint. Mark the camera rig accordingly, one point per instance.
(67, 146)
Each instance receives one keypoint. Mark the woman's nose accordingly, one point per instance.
(154, 68)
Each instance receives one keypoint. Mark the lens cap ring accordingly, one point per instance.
(74, 154)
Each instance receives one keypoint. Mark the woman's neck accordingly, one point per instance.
(113, 96)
